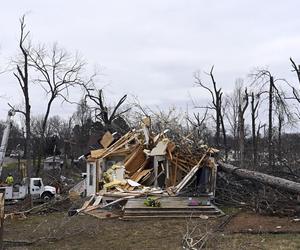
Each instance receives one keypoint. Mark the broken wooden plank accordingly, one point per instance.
(113, 147)
(175, 171)
(119, 144)
(119, 200)
(171, 146)
(135, 161)
(86, 204)
(140, 175)
(113, 202)
(97, 200)
(97, 153)
(107, 139)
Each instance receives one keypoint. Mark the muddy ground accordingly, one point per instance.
(245, 230)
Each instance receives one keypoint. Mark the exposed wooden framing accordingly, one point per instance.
(176, 169)
(186, 179)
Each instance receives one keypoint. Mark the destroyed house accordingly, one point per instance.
(140, 160)
(150, 175)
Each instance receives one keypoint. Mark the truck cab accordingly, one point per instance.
(39, 191)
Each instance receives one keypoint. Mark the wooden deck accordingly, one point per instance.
(171, 207)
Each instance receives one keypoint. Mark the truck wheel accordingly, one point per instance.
(46, 196)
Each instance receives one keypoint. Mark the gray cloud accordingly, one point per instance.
(151, 48)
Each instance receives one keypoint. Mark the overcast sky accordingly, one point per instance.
(151, 49)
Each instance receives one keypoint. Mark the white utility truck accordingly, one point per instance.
(32, 186)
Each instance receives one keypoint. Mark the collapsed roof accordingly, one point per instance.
(155, 160)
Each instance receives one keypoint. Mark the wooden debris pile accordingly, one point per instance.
(141, 164)
(149, 160)
(55, 205)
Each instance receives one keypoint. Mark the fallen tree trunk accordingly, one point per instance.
(266, 179)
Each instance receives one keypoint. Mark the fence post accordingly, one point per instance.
(1, 219)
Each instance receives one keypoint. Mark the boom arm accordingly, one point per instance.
(5, 136)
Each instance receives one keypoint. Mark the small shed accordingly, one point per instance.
(53, 162)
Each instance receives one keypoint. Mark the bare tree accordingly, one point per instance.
(199, 128)
(254, 115)
(264, 77)
(82, 128)
(276, 98)
(62, 129)
(296, 68)
(231, 104)
(57, 73)
(231, 107)
(296, 95)
(284, 116)
(83, 113)
(23, 79)
(102, 111)
(216, 105)
(242, 106)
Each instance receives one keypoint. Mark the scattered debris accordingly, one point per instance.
(57, 205)
(152, 166)
(242, 190)
(203, 217)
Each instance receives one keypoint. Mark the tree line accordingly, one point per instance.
(60, 75)
(248, 124)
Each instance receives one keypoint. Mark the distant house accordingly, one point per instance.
(53, 162)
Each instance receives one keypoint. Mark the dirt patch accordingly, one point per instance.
(86, 232)
(254, 223)
(255, 242)
(57, 230)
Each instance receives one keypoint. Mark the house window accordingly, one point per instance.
(91, 178)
